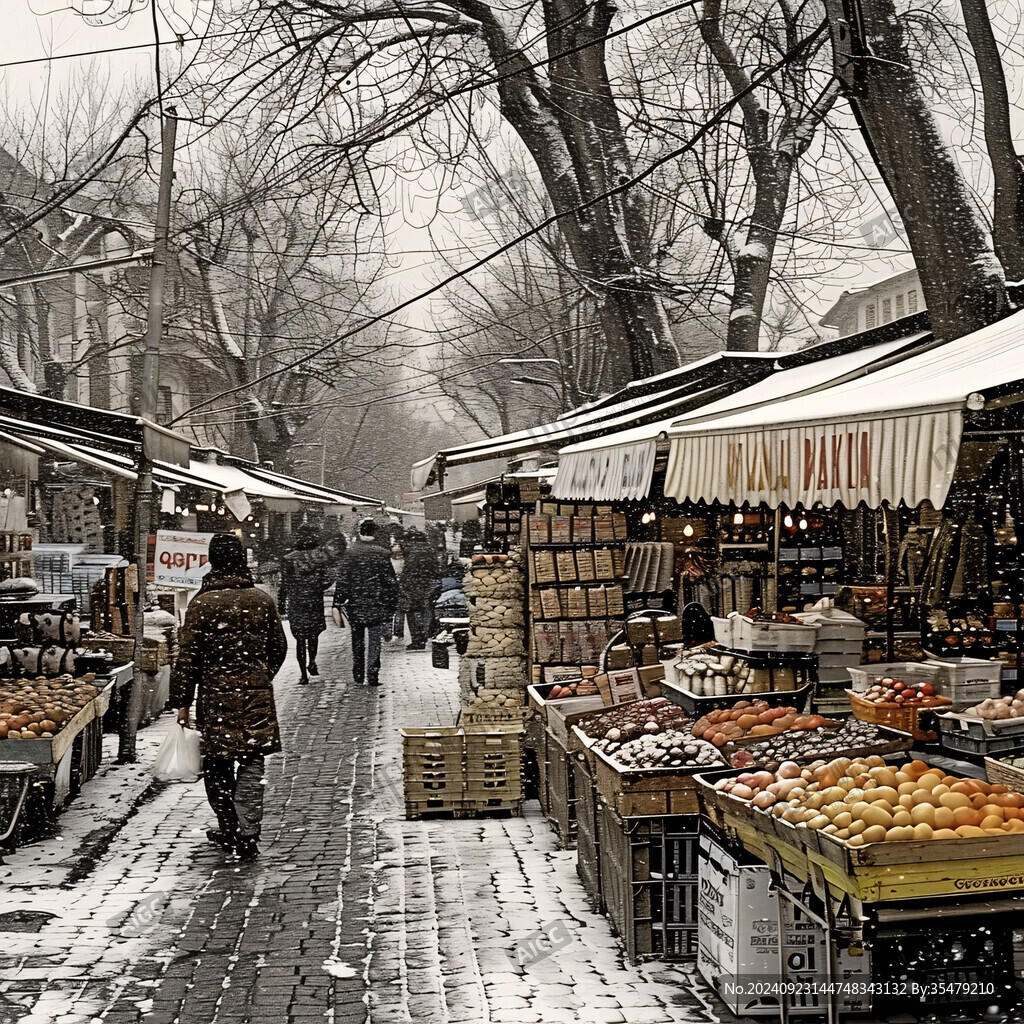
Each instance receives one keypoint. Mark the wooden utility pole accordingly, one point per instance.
(148, 410)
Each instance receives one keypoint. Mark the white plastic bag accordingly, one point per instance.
(178, 759)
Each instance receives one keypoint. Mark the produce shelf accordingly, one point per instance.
(875, 872)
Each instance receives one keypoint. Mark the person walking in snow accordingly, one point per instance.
(232, 646)
(367, 592)
(421, 576)
(305, 575)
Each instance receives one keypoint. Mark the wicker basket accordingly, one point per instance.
(121, 647)
(1001, 773)
(897, 716)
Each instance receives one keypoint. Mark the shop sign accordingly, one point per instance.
(607, 474)
(837, 462)
(180, 559)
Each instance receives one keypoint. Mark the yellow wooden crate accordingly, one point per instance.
(878, 872)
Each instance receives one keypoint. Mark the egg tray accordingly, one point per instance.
(875, 872)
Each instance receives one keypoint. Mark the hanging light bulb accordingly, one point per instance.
(788, 522)
(185, 511)
(802, 524)
(737, 519)
(687, 530)
(95, 500)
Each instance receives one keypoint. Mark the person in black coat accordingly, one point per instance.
(421, 579)
(305, 575)
(367, 592)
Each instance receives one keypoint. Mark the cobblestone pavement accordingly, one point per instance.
(351, 914)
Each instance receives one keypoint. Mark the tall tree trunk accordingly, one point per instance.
(962, 280)
(572, 129)
(1007, 170)
(772, 162)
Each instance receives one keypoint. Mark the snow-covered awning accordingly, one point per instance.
(34, 417)
(639, 402)
(620, 466)
(888, 436)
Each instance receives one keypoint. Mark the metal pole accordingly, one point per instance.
(148, 410)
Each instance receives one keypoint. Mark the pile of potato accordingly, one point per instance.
(865, 801)
(746, 720)
(37, 708)
(998, 708)
(492, 682)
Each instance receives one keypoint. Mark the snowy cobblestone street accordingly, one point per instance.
(351, 913)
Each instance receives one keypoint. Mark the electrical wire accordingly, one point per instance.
(624, 186)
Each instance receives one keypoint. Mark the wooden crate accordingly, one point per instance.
(876, 872)
(588, 846)
(633, 792)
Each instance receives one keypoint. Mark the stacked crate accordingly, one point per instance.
(649, 868)
(493, 768)
(462, 771)
(588, 847)
(432, 764)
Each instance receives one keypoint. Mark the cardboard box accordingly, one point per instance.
(620, 657)
(550, 603)
(544, 567)
(597, 602)
(569, 633)
(565, 562)
(561, 529)
(582, 530)
(619, 527)
(616, 604)
(640, 631)
(619, 686)
(668, 629)
(738, 924)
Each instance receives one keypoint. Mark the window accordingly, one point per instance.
(900, 313)
(164, 413)
(912, 301)
(886, 310)
(869, 316)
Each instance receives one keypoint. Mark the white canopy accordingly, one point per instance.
(621, 465)
(891, 435)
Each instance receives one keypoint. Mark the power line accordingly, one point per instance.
(178, 41)
(753, 84)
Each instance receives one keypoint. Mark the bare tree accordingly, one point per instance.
(961, 277)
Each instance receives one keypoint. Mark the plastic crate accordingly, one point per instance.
(649, 883)
(911, 672)
(968, 734)
(764, 635)
(967, 680)
(561, 793)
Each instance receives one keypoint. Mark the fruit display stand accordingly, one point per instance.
(63, 762)
(894, 895)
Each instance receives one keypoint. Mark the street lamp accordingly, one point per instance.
(558, 385)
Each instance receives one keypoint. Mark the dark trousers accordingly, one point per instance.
(366, 651)
(234, 787)
(420, 613)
